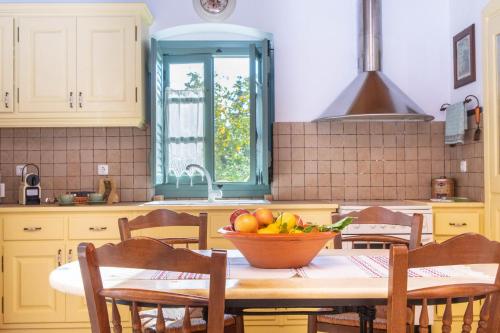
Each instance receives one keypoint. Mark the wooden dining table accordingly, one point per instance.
(335, 278)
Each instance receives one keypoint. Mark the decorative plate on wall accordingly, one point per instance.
(214, 10)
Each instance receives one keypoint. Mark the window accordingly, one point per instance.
(212, 106)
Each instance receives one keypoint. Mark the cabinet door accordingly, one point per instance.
(6, 64)
(107, 64)
(46, 64)
(76, 307)
(29, 298)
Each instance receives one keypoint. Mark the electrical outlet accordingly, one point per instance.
(19, 169)
(102, 169)
(463, 166)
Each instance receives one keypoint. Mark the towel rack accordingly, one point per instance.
(468, 99)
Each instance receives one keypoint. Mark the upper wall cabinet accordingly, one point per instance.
(76, 65)
(6, 64)
(107, 65)
(46, 64)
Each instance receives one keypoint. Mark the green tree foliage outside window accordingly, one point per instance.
(232, 128)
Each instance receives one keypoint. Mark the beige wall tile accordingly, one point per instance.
(284, 141)
(324, 127)
(311, 192)
(298, 141)
(310, 128)
(311, 179)
(298, 128)
(336, 127)
(87, 142)
(100, 156)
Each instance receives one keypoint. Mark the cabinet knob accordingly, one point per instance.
(71, 99)
(98, 228)
(59, 257)
(453, 224)
(32, 229)
(70, 255)
(80, 99)
(6, 99)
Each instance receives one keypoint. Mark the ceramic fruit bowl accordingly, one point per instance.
(278, 250)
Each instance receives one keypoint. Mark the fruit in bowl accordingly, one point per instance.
(297, 242)
(246, 223)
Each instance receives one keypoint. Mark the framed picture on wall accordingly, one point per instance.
(464, 57)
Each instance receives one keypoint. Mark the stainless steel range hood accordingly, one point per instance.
(372, 96)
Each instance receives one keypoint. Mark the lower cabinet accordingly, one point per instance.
(34, 244)
(449, 222)
(28, 297)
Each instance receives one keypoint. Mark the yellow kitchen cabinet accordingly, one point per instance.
(31, 238)
(451, 220)
(107, 65)
(76, 65)
(46, 64)
(28, 297)
(6, 64)
(76, 307)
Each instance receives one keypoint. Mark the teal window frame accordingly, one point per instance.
(261, 114)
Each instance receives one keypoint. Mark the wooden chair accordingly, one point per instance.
(349, 321)
(466, 249)
(167, 218)
(148, 253)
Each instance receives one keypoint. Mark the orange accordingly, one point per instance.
(246, 223)
(264, 216)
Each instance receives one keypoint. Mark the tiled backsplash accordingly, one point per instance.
(471, 183)
(369, 161)
(327, 160)
(68, 159)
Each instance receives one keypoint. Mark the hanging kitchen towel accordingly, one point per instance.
(456, 124)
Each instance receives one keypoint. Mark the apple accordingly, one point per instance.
(237, 213)
(246, 223)
(264, 216)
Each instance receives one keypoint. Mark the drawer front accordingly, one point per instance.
(91, 226)
(457, 223)
(32, 227)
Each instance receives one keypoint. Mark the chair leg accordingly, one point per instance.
(240, 324)
(312, 324)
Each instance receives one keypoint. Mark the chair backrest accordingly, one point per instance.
(149, 253)
(167, 218)
(380, 215)
(466, 249)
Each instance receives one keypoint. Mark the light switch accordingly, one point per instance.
(463, 166)
(102, 169)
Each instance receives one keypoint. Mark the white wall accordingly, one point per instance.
(315, 43)
(463, 14)
(316, 51)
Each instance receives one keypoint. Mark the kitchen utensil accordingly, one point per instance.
(102, 202)
(96, 197)
(443, 188)
(65, 199)
(278, 250)
(107, 186)
(29, 189)
(477, 118)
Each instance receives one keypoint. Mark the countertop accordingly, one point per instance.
(139, 206)
(313, 204)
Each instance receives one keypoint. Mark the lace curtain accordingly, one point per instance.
(185, 127)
